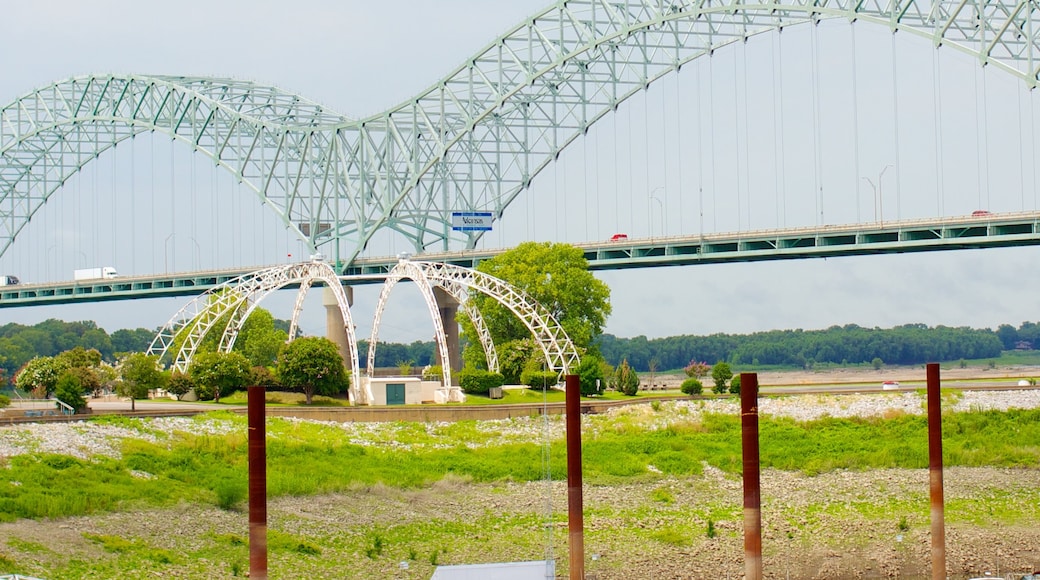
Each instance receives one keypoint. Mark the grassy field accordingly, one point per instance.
(657, 454)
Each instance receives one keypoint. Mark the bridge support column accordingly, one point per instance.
(448, 308)
(334, 324)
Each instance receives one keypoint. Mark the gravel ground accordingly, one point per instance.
(813, 527)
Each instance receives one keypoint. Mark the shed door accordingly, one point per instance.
(395, 394)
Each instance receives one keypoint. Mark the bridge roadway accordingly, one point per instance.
(952, 233)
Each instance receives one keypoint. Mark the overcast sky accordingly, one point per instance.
(654, 166)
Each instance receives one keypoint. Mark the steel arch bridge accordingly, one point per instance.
(472, 142)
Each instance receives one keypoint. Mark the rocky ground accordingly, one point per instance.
(813, 527)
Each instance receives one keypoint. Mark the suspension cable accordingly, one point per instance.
(855, 123)
(679, 151)
(711, 121)
(985, 136)
(747, 151)
(940, 190)
(1021, 152)
(736, 137)
(895, 125)
(817, 155)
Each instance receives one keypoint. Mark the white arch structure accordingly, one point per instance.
(560, 353)
(413, 271)
(239, 297)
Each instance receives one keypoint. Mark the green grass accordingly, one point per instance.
(312, 458)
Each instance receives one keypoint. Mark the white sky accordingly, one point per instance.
(635, 173)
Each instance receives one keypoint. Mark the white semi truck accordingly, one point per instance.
(94, 273)
(8, 280)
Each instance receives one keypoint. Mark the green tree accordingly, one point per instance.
(590, 375)
(219, 374)
(140, 373)
(263, 377)
(312, 365)
(734, 385)
(259, 340)
(554, 275)
(88, 379)
(40, 375)
(625, 379)
(876, 363)
(69, 390)
(179, 384)
(80, 357)
(721, 373)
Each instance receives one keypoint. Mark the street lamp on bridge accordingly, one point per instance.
(879, 200)
(650, 210)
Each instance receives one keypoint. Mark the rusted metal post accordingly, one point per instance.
(575, 512)
(257, 484)
(752, 489)
(935, 473)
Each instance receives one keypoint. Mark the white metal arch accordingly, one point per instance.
(407, 269)
(560, 353)
(238, 297)
(460, 293)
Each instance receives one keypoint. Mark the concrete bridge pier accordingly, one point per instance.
(334, 324)
(448, 307)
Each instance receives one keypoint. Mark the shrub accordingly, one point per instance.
(734, 385)
(433, 373)
(179, 384)
(538, 379)
(5, 401)
(696, 369)
(69, 390)
(625, 379)
(229, 493)
(478, 381)
(692, 386)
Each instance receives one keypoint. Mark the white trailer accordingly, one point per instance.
(8, 281)
(95, 273)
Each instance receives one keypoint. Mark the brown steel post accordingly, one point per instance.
(575, 513)
(935, 473)
(257, 484)
(752, 489)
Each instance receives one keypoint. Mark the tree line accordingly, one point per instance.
(908, 344)
(21, 343)
(838, 345)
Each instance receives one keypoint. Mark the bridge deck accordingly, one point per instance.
(968, 232)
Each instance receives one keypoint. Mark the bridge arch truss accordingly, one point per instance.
(471, 142)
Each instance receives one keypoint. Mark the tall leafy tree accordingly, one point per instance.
(312, 365)
(140, 373)
(259, 340)
(557, 277)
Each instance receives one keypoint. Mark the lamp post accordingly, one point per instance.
(166, 253)
(650, 210)
(198, 253)
(879, 200)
